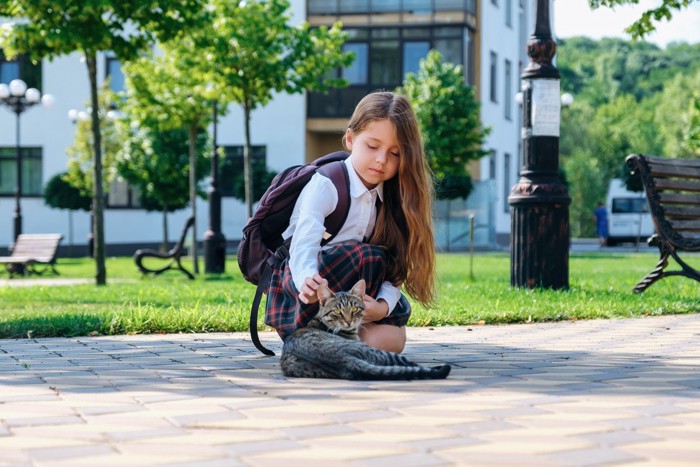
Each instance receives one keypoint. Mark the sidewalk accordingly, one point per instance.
(573, 393)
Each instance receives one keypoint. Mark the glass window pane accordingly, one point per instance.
(118, 193)
(413, 52)
(442, 5)
(385, 33)
(354, 6)
(448, 31)
(356, 73)
(115, 74)
(322, 6)
(356, 34)
(8, 71)
(31, 176)
(417, 6)
(416, 33)
(385, 64)
(385, 5)
(451, 50)
(8, 176)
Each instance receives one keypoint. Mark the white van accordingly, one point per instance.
(629, 219)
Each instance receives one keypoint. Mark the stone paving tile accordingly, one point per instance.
(573, 393)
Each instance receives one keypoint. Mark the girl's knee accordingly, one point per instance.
(384, 337)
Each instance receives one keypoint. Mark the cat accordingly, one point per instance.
(330, 347)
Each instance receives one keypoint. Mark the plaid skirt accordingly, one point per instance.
(342, 266)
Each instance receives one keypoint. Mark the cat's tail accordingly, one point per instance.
(369, 371)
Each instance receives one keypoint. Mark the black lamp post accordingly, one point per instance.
(540, 201)
(214, 240)
(18, 98)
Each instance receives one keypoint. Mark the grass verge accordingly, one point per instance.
(600, 287)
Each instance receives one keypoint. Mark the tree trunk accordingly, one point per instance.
(247, 162)
(97, 190)
(165, 229)
(193, 196)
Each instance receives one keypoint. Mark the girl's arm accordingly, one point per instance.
(386, 301)
(316, 201)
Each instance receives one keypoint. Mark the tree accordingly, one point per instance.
(448, 115)
(46, 28)
(60, 194)
(157, 164)
(692, 137)
(169, 91)
(81, 153)
(255, 52)
(647, 23)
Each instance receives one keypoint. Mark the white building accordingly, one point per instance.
(388, 36)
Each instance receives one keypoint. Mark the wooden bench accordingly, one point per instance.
(673, 190)
(32, 254)
(174, 255)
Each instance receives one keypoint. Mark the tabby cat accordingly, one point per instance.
(329, 347)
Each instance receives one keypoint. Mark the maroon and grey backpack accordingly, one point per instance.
(262, 245)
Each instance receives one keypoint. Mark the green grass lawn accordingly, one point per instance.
(601, 287)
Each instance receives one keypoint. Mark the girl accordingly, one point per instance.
(387, 238)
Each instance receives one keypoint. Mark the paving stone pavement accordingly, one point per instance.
(596, 392)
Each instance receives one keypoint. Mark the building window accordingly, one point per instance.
(413, 53)
(383, 57)
(507, 182)
(509, 13)
(115, 74)
(231, 177)
(21, 68)
(508, 98)
(31, 171)
(356, 73)
(339, 7)
(493, 79)
(492, 165)
(122, 196)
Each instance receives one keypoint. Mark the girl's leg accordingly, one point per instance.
(384, 336)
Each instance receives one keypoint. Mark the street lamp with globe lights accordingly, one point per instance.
(17, 98)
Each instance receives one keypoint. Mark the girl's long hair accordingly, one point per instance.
(404, 222)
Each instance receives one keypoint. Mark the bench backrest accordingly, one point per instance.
(39, 246)
(673, 191)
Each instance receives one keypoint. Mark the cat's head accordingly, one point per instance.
(342, 311)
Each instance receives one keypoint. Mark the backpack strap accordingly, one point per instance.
(337, 172)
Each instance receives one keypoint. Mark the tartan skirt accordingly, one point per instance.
(342, 266)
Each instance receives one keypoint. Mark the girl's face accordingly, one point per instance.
(375, 152)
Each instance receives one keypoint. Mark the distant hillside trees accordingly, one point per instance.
(630, 97)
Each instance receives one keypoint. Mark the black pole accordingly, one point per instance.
(18, 189)
(540, 200)
(214, 240)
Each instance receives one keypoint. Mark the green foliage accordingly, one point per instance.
(60, 194)
(630, 98)
(262, 177)
(254, 51)
(692, 137)
(647, 23)
(81, 157)
(157, 163)
(48, 28)
(448, 115)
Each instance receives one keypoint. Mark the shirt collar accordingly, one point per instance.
(357, 188)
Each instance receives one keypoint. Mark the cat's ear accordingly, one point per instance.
(359, 288)
(323, 293)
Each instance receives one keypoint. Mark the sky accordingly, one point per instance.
(575, 18)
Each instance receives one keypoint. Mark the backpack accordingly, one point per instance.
(262, 245)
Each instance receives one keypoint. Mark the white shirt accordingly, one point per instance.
(316, 201)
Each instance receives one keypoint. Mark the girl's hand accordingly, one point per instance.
(375, 309)
(307, 294)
